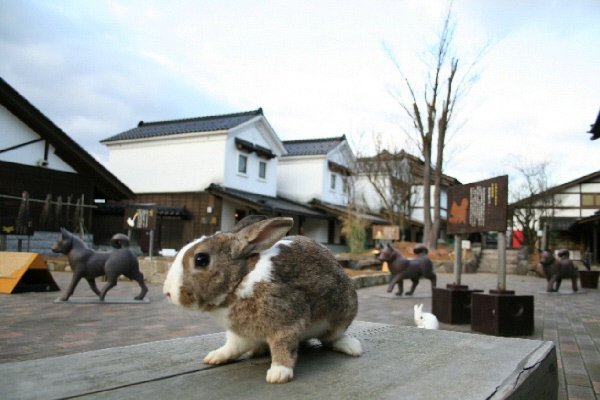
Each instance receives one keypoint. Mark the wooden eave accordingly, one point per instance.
(66, 148)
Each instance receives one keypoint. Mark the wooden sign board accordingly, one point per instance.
(140, 218)
(386, 232)
(478, 207)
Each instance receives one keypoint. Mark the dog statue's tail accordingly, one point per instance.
(119, 240)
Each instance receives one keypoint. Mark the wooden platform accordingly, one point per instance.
(398, 362)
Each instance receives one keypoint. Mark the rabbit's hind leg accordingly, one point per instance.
(339, 341)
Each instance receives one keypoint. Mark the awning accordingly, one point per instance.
(341, 211)
(267, 204)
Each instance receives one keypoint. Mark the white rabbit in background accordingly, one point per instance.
(424, 319)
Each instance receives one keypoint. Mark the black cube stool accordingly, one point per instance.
(452, 305)
(589, 279)
(502, 314)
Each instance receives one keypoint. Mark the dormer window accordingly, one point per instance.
(242, 164)
(249, 147)
(262, 170)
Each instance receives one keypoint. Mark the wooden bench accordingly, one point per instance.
(398, 362)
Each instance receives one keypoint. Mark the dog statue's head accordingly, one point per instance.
(64, 243)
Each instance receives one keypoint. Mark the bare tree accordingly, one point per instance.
(391, 175)
(531, 201)
(432, 117)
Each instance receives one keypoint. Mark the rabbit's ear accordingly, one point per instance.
(260, 236)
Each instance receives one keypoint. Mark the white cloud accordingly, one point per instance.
(316, 67)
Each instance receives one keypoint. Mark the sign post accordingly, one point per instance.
(475, 207)
(479, 207)
(482, 207)
(144, 219)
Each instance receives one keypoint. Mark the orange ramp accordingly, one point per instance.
(25, 272)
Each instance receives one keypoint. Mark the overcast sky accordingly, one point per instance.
(318, 69)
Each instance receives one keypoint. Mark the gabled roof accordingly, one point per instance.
(556, 189)
(417, 165)
(146, 130)
(66, 148)
(312, 147)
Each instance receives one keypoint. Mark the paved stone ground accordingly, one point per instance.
(32, 326)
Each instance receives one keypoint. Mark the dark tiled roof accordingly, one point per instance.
(312, 147)
(342, 211)
(146, 130)
(266, 204)
(594, 176)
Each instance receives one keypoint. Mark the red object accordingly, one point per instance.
(518, 239)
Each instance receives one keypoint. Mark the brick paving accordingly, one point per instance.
(32, 326)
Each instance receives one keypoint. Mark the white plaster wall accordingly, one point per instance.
(14, 132)
(368, 196)
(443, 203)
(593, 186)
(252, 133)
(341, 155)
(333, 196)
(365, 194)
(300, 178)
(250, 182)
(568, 200)
(179, 164)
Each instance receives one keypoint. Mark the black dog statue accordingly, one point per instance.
(89, 264)
(402, 268)
(557, 269)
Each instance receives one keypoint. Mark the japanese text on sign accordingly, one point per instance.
(479, 206)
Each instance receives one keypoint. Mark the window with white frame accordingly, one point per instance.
(332, 182)
(243, 164)
(262, 169)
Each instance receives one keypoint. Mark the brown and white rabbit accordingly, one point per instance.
(266, 290)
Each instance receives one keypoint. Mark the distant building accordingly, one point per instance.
(398, 178)
(60, 178)
(320, 172)
(568, 215)
(212, 171)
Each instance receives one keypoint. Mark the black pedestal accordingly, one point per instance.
(452, 305)
(589, 279)
(502, 314)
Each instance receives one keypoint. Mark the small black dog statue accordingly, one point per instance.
(557, 269)
(402, 268)
(89, 264)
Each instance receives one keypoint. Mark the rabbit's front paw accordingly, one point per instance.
(216, 357)
(279, 374)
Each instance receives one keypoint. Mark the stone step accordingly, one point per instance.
(489, 261)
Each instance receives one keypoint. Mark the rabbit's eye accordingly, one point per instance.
(201, 260)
